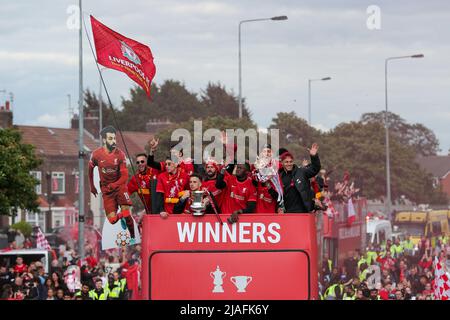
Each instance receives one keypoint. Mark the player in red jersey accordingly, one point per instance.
(185, 165)
(113, 171)
(170, 184)
(266, 198)
(141, 181)
(210, 181)
(239, 192)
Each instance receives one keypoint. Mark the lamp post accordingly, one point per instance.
(309, 95)
(277, 18)
(388, 164)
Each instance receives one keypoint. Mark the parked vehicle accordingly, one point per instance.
(8, 257)
(378, 231)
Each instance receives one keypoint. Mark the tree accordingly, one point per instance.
(422, 139)
(92, 106)
(17, 186)
(171, 101)
(359, 148)
(295, 133)
(219, 102)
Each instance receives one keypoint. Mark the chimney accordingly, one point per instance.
(6, 116)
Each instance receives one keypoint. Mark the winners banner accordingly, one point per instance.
(262, 257)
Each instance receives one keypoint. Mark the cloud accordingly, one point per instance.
(60, 120)
(69, 60)
(202, 8)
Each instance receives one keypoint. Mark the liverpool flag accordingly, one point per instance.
(123, 54)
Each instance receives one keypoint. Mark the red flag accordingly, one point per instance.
(123, 54)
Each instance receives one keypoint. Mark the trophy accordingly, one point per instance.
(241, 282)
(197, 206)
(218, 276)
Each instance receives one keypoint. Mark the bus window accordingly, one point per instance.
(436, 228)
(369, 238)
(382, 236)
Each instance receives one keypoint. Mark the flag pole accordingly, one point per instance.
(81, 153)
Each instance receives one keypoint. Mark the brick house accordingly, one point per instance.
(439, 167)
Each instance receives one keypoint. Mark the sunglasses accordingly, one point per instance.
(140, 162)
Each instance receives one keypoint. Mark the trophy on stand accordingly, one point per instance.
(218, 279)
(197, 206)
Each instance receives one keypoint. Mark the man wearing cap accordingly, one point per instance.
(298, 196)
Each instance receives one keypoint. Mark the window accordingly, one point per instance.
(58, 183)
(37, 175)
(382, 237)
(36, 219)
(58, 219)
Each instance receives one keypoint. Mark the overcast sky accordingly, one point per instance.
(197, 42)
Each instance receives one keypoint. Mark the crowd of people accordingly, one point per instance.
(72, 278)
(395, 270)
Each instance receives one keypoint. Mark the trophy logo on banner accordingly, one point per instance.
(241, 282)
(218, 280)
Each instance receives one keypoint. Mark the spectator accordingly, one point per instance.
(6, 277)
(398, 295)
(20, 267)
(50, 294)
(59, 294)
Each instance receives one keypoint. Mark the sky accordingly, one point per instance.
(196, 42)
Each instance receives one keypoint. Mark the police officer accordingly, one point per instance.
(99, 293)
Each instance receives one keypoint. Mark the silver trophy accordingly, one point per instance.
(197, 206)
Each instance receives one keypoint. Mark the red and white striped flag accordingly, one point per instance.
(441, 281)
(41, 241)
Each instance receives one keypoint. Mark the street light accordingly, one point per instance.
(309, 95)
(388, 165)
(277, 18)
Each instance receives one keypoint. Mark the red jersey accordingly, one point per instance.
(171, 186)
(264, 203)
(144, 182)
(111, 167)
(237, 194)
(210, 185)
(20, 269)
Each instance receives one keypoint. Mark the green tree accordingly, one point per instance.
(92, 106)
(359, 148)
(24, 227)
(422, 139)
(221, 103)
(17, 186)
(295, 134)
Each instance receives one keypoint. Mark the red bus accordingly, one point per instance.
(340, 240)
(262, 257)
